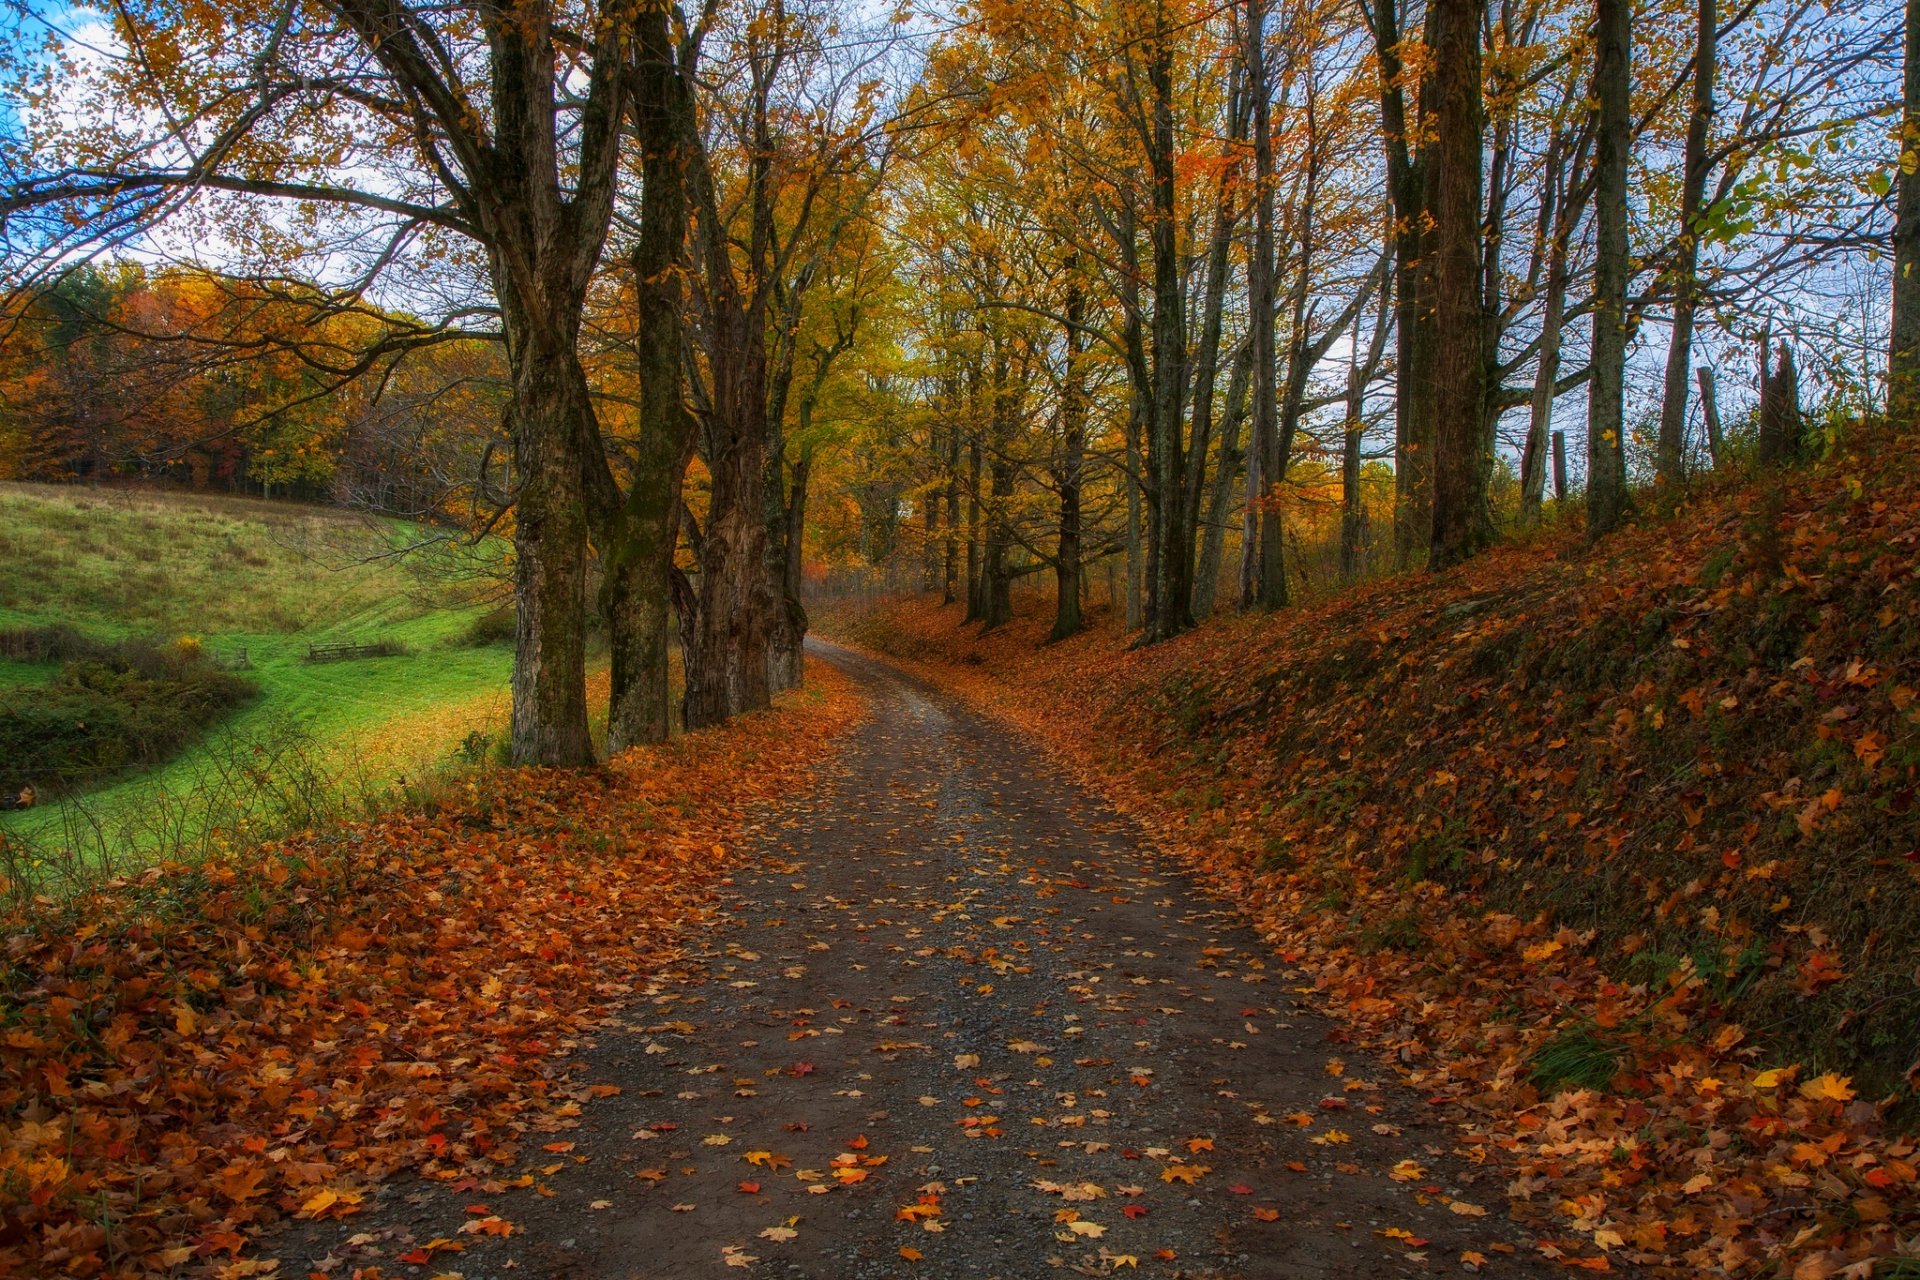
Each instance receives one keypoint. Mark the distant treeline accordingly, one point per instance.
(196, 379)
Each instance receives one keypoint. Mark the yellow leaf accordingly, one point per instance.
(1830, 1088)
(1091, 1230)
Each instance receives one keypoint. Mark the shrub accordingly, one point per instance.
(123, 705)
(495, 626)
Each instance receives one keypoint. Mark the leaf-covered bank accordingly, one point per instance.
(191, 1057)
(1614, 854)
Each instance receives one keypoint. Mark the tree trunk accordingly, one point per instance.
(1671, 457)
(1169, 556)
(1559, 466)
(1903, 370)
(976, 602)
(1352, 513)
(930, 552)
(1533, 461)
(552, 418)
(1135, 521)
(1073, 430)
(1710, 410)
(1408, 180)
(637, 546)
(1606, 410)
(1462, 462)
(1780, 423)
(1269, 576)
(951, 570)
(786, 646)
(1213, 535)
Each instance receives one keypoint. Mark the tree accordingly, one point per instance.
(1903, 366)
(1606, 416)
(497, 122)
(1269, 466)
(1684, 273)
(1462, 523)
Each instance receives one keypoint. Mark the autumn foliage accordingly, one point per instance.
(1615, 854)
(209, 1050)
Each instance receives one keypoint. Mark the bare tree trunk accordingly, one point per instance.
(1169, 557)
(930, 553)
(787, 660)
(1408, 179)
(976, 606)
(1213, 534)
(1606, 410)
(552, 418)
(1135, 514)
(637, 547)
(1461, 523)
(1205, 371)
(1559, 466)
(1073, 430)
(1780, 423)
(1671, 458)
(1903, 369)
(951, 570)
(1352, 513)
(1268, 579)
(1564, 190)
(1710, 410)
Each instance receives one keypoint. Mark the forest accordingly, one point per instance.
(1209, 307)
(1437, 470)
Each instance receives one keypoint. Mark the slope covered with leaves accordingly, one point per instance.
(1614, 854)
(191, 1057)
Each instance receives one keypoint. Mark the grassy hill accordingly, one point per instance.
(266, 579)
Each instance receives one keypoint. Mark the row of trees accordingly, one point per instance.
(1189, 271)
(193, 378)
(657, 220)
(1150, 280)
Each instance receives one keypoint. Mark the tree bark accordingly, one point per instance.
(1671, 457)
(1710, 410)
(1462, 462)
(637, 544)
(1169, 608)
(1903, 369)
(951, 569)
(1352, 513)
(1073, 430)
(1565, 213)
(1606, 415)
(1213, 534)
(1408, 181)
(1780, 423)
(1269, 577)
(552, 417)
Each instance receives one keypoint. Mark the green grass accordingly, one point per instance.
(269, 578)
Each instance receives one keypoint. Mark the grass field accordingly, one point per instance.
(269, 578)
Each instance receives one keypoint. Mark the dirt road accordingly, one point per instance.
(956, 1022)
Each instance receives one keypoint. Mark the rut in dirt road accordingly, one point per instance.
(956, 1023)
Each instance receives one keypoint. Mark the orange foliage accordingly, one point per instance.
(196, 1055)
(1471, 808)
